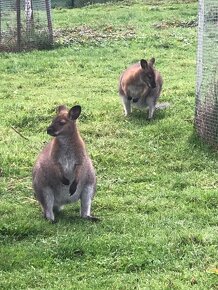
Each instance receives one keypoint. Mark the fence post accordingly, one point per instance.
(48, 12)
(0, 21)
(200, 45)
(206, 105)
(29, 16)
(18, 25)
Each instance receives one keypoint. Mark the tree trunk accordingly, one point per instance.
(48, 12)
(18, 25)
(29, 16)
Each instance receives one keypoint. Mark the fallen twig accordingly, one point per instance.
(21, 135)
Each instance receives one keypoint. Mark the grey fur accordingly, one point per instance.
(140, 86)
(62, 165)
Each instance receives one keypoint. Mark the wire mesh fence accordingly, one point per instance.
(25, 24)
(78, 3)
(206, 117)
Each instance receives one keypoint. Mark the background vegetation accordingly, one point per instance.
(157, 184)
(77, 3)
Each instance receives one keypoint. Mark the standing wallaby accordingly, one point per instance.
(140, 86)
(63, 172)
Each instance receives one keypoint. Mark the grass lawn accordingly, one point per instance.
(157, 184)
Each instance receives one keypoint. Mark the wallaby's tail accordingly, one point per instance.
(161, 106)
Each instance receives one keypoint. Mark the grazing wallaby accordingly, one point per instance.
(63, 172)
(140, 86)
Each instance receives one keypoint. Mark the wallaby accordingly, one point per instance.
(63, 172)
(140, 85)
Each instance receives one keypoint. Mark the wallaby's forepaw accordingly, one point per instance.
(65, 181)
(73, 187)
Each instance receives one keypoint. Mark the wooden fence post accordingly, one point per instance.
(29, 16)
(0, 21)
(48, 12)
(18, 25)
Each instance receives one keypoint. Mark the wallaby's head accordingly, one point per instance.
(148, 74)
(62, 123)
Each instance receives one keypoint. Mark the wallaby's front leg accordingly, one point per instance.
(74, 184)
(58, 168)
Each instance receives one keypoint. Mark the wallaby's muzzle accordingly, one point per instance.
(51, 131)
(151, 84)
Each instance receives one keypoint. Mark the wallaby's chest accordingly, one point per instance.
(67, 162)
(136, 90)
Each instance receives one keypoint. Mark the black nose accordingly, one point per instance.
(49, 131)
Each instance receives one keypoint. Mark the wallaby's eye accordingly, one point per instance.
(62, 122)
(150, 76)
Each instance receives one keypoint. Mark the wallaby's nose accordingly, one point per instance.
(153, 85)
(50, 131)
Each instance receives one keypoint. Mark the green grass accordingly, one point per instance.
(157, 184)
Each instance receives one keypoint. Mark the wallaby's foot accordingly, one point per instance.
(127, 113)
(49, 215)
(151, 116)
(126, 106)
(92, 219)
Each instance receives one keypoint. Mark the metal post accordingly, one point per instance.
(199, 71)
(200, 44)
(0, 21)
(48, 12)
(18, 25)
(29, 16)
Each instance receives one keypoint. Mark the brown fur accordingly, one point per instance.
(63, 172)
(140, 85)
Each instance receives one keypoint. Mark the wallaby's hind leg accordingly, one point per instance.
(126, 106)
(86, 201)
(151, 107)
(48, 204)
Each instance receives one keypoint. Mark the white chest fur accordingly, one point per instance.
(68, 164)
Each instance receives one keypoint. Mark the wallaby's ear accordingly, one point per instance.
(74, 112)
(152, 61)
(61, 108)
(144, 63)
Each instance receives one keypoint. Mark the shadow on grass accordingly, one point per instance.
(73, 218)
(196, 142)
(15, 233)
(141, 117)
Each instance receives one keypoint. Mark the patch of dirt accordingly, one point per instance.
(161, 2)
(86, 34)
(176, 23)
